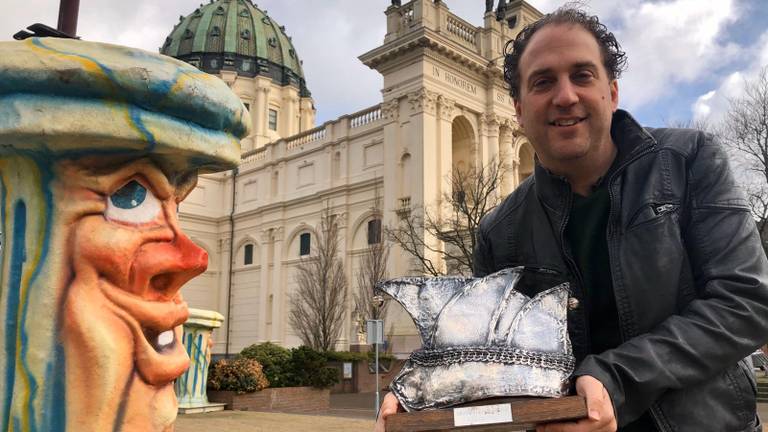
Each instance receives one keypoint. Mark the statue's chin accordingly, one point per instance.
(149, 408)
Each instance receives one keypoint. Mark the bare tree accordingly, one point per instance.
(744, 129)
(453, 222)
(318, 304)
(373, 269)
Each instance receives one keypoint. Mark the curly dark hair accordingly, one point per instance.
(614, 59)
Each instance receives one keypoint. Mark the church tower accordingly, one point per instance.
(445, 104)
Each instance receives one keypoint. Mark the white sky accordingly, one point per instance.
(685, 56)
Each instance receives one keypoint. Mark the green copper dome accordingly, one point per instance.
(235, 35)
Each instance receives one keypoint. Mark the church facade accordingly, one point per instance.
(444, 104)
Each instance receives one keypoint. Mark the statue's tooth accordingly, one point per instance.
(165, 338)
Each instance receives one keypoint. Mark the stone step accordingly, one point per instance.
(209, 407)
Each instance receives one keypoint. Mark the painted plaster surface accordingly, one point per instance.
(98, 145)
(191, 386)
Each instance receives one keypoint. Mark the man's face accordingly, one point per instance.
(566, 97)
(122, 313)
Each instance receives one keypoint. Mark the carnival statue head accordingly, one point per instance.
(98, 145)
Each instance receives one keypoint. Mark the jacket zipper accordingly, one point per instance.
(653, 409)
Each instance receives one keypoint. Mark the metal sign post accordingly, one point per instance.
(375, 335)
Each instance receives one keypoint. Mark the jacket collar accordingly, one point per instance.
(630, 139)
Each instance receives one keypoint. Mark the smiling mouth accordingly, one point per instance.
(567, 122)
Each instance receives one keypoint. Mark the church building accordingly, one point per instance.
(444, 104)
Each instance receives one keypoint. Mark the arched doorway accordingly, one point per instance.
(462, 144)
(525, 162)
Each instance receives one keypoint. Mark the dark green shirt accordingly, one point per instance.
(586, 234)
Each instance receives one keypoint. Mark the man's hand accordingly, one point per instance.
(599, 408)
(389, 406)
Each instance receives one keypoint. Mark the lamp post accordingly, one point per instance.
(375, 335)
(68, 11)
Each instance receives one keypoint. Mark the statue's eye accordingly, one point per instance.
(132, 203)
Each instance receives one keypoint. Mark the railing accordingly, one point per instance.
(254, 155)
(464, 31)
(309, 136)
(404, 208)
(317, 136)
(364, 117)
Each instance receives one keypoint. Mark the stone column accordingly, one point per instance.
(507, 152)
(490, 129)
(278, 318)
(446, 108)
(260, 115)
(266, 238)
(197, 341)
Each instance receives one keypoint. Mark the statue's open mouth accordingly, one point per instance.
(162, 341)
(156, 326)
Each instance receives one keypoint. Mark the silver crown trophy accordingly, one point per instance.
(495, 353)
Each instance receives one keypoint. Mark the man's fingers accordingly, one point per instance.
(595, 394)
(389, 406)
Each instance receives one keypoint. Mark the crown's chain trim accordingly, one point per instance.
(508, 356)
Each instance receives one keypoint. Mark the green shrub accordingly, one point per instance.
(346, 356)
(382, 356)
(300, 366)
(309, 368)
(275, 361)
(241, 375)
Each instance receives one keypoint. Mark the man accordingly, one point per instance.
(668, 279)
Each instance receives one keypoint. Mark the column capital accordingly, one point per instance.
(278, 234)
(423, 100)
(390, 109)
(489, 124)
(447, 107)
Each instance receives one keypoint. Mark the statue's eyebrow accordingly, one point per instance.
(114, 175)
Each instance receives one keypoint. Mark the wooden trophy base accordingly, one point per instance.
(491, 415)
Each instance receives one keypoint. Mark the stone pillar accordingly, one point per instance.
(446, 108)
(490, 129)
(190, 387)
(423, 104)
(261, 319)
(278, 318)
(507, 152)
(260, 114)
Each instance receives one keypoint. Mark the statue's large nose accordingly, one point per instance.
(162, 268)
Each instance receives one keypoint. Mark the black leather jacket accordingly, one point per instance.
(688, 270)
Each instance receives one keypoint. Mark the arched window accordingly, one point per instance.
(248, 255)
(304, 241)
(374, 231)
